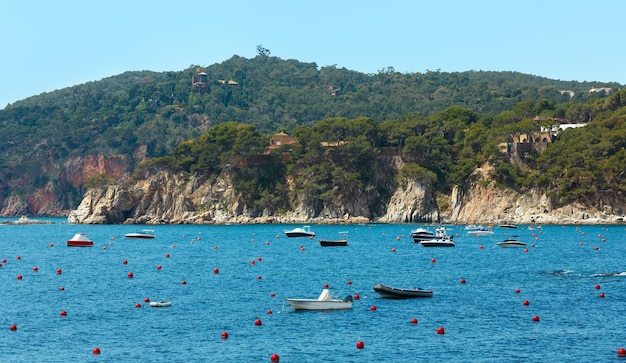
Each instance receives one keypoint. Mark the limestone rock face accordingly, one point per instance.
(411, 203)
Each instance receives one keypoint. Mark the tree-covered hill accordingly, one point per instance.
(159, 110)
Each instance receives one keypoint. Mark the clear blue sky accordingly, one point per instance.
(49, 45)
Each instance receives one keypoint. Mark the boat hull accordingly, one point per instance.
(511, 244)
(80, 240)
(331, 243)
(389, 292)
(139, 235)
(437, 243)
(314, 304)
(160, 304)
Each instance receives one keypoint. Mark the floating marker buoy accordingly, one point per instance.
(19, 277)
(517, 291)
(269, 312)
(414, 321)
(216, 270)
(373, 307)
(19, 257)
(137, 305)
(597, 286)
(326, 286)
(252, 263)
(433, 260)
(536, 318)
(259, 277)
(480, 247)
(349, 282)
(59, 271)
(393, 249)
(462, 281)
(63, 313)
(130, 275)
(441, 330)
(580, 244)
(360, 344)
(274, 358)
(356, 297)
(525, 249)
(272, 294)
(96, 351)
(526, 303)
(51, 244)
(147, 300)
(125, 262)
(224, 335)
(259, 259)
(267, 242)
(13, 327)
(601, 294)
(184, 282)
(167, 255)
(159, 267)
(621, 352)
(258, 322)
(62, 288)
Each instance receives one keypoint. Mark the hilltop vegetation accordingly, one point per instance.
(443, 125)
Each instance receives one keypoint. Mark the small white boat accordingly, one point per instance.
(333, 242)
(481, 232)
(300, 232)
(508, 243)
(145, 234)
(323, 302)
(80, 240)
(422, 234)
(160, 304)
(509, 226)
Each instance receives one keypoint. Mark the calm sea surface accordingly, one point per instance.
(485, 319)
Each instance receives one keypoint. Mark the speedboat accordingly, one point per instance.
(80, 240)
(333, 242)
(323, 302)
(396, 293)
(422, 234)
(160, 304)
(437, 242)
(508, 243)
(479, 232)
(300, 232)
(146, 233)
(510, 226)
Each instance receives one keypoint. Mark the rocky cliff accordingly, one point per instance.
(171, 198)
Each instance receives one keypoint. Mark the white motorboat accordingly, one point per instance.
(160, 304)
(390, 292)
(323, 302)
(145, 234)
(300, 232)
(80, 240)
(422, 234)
(479, 232)
(508, 243)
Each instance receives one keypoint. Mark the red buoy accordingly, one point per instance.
(601, 294)
(216, 270)
(349, 282)
(356, 297)
(96, 351)
(272, 294)
(526, 302)
(462, 281)
(147, 300)
(373, 307)
(59, 271)
(433, 260)
(35, 269)
(125, 262)
(326, 286)
(224, 335)
(19, 277)
(393, 249)
(536, 318)
(441, 330)
(130, 275)
(259, 277)
(517, 291)
(252, 263)
(268, 312)
(621, 352)
(159, 267)
(258, 322)
(167, 255)
(274, 358)
(19, 257)
(184, 282)
(414, 321)
(62, 288)
(597, 286)
(63, 313)
(259, 259)
(13, 327)
(360, 344)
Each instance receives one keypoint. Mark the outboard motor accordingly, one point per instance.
(347, 298)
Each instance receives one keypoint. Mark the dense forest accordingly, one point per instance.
(443, 125)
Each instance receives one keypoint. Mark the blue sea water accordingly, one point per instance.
(485, 319)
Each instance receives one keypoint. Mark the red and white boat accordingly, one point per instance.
(80, 240)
